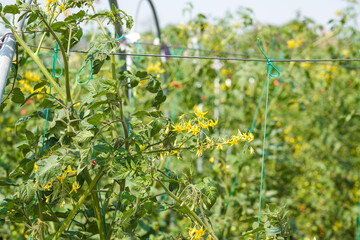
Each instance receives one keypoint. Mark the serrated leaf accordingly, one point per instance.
(95, 119)
(83, 136)
(12, 9)
(48, 169)
(27, 192)
(21, 120)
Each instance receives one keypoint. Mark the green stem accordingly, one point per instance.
(99, 217)
(36, 60)
(40, 43)
(189, 211)
(44, 35)
(77, 206)
(42, 230)
(65, 59)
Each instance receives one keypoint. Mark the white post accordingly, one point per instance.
(6, 55)
(7, 52)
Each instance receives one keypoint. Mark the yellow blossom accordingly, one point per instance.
(199, 152)
(47, 198)
(249, 137)
(212, 124)
(219, 147)
(61, 7)
(36, 167)
(195, 233)
(69, 171)
(75, 187)
(200, 114)
(202, 125)
(195, 130)
(233, 140)
(63, 176)
(177, 128)
(291, 43)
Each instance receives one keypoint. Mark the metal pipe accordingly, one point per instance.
(7, 52)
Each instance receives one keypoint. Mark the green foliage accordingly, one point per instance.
(156, 182)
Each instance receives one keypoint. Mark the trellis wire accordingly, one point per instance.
(220, 58)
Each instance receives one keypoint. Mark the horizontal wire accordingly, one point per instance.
(193, 49)
(218, 58)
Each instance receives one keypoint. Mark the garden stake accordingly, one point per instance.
(269, 68)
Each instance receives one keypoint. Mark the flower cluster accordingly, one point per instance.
(49, 4)
(59, 180)
(196, 234)
(195, 126)
(155, 68)
(294, 43)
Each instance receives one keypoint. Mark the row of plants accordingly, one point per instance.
(179, 158)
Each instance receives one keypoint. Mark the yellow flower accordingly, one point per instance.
(196, 234)
(61, 7)
(177, 128)
(47, 198)
(200, 114)
(249, 137)
(212, 124)
(251, 150)
(75, 187)
(202, 125)
(233, 140)
(199, 152)
(195, 130)
(63, 176)
(48, 185)
(291, 43)
(219, 147)
(36, 167)
(69, 171)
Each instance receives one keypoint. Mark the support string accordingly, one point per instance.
(269, 69)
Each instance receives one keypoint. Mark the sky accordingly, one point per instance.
(266, 11)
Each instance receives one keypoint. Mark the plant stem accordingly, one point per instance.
(77, 206)
(42, 230)
(99, 217)
(36, 60)
(190, 212)
(65, 59)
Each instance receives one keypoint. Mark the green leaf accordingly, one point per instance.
(160, 98)
(13, 9)
(95, 119)
(39, 85)
(97, 64)
(27, 192)
(153, 85)
(141, 113)
(7, 183)
(48, 169)
(17, 96)
(255, 225)
(156, 127)
(21, 120)
(42, 113)
(76, 16)
(84, 136)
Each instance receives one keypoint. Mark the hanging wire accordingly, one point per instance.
(220, 58)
